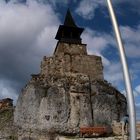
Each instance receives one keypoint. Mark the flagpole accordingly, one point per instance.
(130, 96)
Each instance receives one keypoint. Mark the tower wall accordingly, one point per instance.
(72, 58)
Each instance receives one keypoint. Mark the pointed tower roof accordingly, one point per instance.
(69, 32)
(69, 20)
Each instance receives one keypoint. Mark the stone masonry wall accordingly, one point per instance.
(72, 58)
(6, 103)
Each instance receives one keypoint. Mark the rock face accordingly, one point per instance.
(68, 93)
(64, 97)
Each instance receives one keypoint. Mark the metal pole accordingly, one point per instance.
(130, 97)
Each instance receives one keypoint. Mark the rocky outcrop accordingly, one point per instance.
(108, 103)
(63, 104)
(69, 92)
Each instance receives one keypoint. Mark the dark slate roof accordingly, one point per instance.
(69, 21)
(69, 32)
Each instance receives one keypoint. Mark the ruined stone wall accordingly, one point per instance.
(6, 103)
(72, 58)
(73, 49)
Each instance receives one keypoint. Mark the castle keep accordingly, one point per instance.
(69, 92)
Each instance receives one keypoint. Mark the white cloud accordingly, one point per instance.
(138, 89)
(26, 34)
(87, 8)
(135, 69)
(96, 41)
(7, 91)
(52, 2)
(114, 74)
(131, 37)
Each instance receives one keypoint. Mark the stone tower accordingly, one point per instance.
(70, 55)
(69, 92)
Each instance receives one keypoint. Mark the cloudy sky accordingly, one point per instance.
(28, 28)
